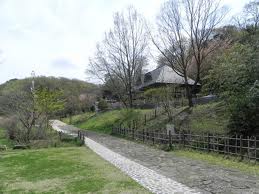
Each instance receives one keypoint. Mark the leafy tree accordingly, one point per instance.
(233, 72)
(244, 118)
(48, 102)
(233, 77)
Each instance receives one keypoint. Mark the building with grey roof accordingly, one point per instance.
(161, 76)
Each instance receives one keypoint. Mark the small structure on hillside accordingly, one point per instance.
(162, 76)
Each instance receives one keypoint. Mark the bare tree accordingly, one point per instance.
(203, 16)
(252, 12)
(249, 18)
(185, 35)
(21, 105)
(122, 53)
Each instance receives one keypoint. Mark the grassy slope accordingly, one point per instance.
(78, 118)
(207, 118)
(219, 160)
(103, 122)
(161, 121)
(66, 170)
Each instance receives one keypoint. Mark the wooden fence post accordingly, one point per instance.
(143, 133)
(170, 139)
(236, 144)
(83, 138)
(153, 137)
(208, 148)
(145, 119)
(183, 139)
(241, 146)
(255, 149)
(248, 148)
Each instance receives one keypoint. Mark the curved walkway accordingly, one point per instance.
(162, 172)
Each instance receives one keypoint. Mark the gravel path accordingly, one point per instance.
(163, 171)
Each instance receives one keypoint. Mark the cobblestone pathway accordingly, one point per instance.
(193, 174)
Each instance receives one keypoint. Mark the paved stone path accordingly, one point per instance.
(194, 174)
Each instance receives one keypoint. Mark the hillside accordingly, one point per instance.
(207, 118)
(78, 95)
(68, 85)
(103, 122)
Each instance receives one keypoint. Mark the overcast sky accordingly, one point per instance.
(56, 37)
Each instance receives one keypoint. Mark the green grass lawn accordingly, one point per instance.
(61, 170)
(219, 160)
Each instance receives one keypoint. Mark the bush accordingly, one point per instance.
(102, 105)
(244, 118)
(92, 109)
(12, 130)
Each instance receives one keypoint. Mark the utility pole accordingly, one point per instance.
(33, 95)
(32, 82)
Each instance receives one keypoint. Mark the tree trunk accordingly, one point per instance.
(28, 134)
(130, 96)
(189, 96)
(188, 91)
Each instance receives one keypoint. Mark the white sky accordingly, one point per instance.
(56, 37)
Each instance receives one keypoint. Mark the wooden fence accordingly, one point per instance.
(244, 147)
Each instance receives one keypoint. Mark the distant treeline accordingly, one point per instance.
(79, 96)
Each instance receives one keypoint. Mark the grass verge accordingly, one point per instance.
(103, 122)
(219, 160)
(61, 170)
(76, 119)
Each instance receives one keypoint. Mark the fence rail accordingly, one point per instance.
(244, 147)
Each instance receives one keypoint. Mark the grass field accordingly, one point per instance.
(61, 170)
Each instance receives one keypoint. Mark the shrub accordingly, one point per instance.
(102, 105)
(244, 118)
(92, 109)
